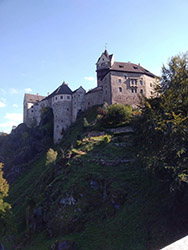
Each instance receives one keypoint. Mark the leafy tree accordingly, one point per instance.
(117, 113)
(4, 206)
(162, 130)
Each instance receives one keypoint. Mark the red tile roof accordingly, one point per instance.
(33, 98)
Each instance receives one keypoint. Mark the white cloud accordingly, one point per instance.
(8, 124)
(16, 117)
(89, 78)
(14, 91)
(14, 120)
(2, 105)
(15, 105)
(28, 90)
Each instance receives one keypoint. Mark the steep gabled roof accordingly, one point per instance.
(106, 54)
(33, 98)
(78, 89)
(61, 90)
(130, 67)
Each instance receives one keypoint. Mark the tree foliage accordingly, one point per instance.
(117, 113)
(162, 130)
(4, 206)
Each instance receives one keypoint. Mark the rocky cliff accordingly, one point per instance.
(95, 195)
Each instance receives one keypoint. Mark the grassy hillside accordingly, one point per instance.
(96, 195)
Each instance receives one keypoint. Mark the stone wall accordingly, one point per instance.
(78, 102)
(94, 98)
(126, 87)
(62, 118)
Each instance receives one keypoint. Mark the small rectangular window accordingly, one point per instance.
(141, 82)
(135, 90)
(68, 97)
(151, 84)
(141, 91)
(119, 80)
(61, 97)
(120, 89)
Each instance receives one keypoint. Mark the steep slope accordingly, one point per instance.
(96, 195)
(24, 145)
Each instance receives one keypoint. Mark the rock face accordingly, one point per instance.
(1, 246)
(25, 145)
(63, 245)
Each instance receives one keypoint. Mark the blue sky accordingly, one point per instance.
(45, 42)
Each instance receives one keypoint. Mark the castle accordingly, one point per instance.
(117, 82)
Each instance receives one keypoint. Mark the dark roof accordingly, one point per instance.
(106, 54)
(94, 90)
(77, 89)
(61, 90)
(33, 98)
(130, 67)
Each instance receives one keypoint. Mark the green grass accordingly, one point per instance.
(139, 223)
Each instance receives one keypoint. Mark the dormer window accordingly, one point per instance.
(120, 66)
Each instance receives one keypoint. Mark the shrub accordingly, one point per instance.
(78, 142)
(118, 113)
(51, 156)
(106, 139)
(86, 124)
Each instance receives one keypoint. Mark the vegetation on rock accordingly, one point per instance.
(162, 128)
(51, 156)
(111, 185)
(4, 206)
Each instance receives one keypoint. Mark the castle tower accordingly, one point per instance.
(62, 109)
(103, 64)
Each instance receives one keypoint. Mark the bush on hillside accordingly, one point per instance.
(86, 124)
(51, 156)
(118, 113)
